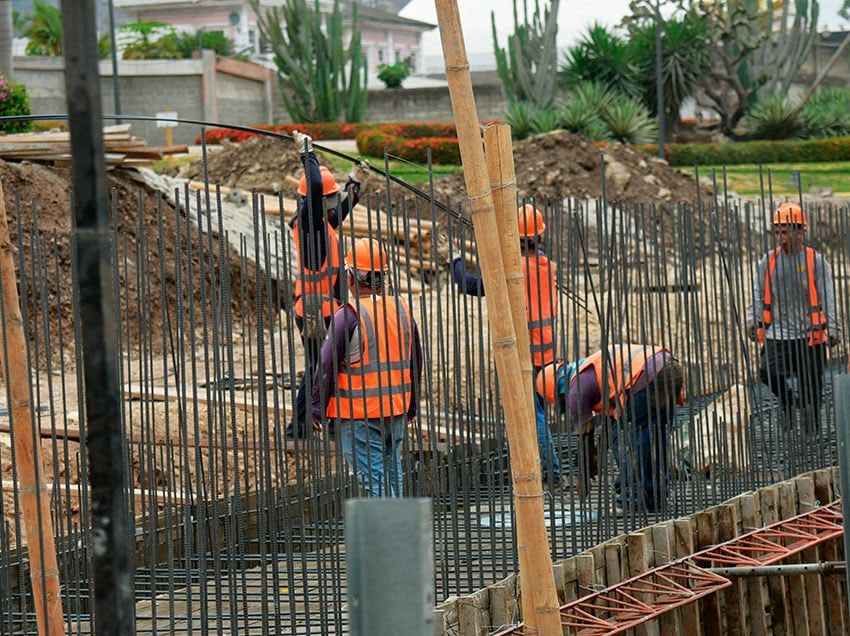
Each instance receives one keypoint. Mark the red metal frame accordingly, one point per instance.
(660, 590)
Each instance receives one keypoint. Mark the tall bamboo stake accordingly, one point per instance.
(521, 435)
(35, 501)
(498, 151)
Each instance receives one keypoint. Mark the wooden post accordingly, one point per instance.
(499, 154)
(521, 435)
(35, 500)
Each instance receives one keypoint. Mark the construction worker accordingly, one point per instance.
(643, 384)
(368, 378)
(793, 316)
(314, 229)
(541, 299)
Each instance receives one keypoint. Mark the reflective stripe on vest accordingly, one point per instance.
(818, 331)
(626, 362)
(323, 281)
(541, 306)
(380, 383)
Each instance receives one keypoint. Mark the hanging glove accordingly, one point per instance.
(833, 339)
(444, 250)
(752, 332)
(359, 172)
(303, 143)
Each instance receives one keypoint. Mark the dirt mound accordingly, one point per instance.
(562, 164)
(259, 162)
(44, 195)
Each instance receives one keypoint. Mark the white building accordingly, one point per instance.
(386, 37)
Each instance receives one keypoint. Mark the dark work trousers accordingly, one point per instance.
(639, 442)
(312, 354)
(782, 360)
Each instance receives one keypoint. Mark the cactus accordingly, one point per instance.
(528, 68)
(758, 52)
(320, 78)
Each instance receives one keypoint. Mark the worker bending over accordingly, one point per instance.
(637, 386)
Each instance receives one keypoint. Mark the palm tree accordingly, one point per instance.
(44, 30)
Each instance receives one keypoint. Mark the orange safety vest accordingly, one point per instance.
(317, 282)
(818, 332)
(625, 364)
(541, 305)
(380, 382)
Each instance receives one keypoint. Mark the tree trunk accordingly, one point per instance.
(6, 38)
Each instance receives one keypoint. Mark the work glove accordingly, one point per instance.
(833, 339)
(301, 140)
(444, 250)
(753, 332)
(588, 463)
(359, 172)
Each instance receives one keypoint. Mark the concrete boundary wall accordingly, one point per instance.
(810, 604)
(207, 87)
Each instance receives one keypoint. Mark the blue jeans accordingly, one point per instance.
(550, 465)
(639, 442)
(373, 449)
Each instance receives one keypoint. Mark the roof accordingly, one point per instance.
(377, 15)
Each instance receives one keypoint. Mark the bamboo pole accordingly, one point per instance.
(500, 171)
(522, 438)
(33, 493)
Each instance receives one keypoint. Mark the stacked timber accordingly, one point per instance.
(121, 148)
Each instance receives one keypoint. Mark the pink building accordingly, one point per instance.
(386, 36)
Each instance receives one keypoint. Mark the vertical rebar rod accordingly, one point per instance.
(113, 599)
(841, 389)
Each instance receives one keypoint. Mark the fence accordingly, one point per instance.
(234, 527)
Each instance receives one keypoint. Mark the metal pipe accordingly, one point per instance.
(91, 242)
(116, 88)
(841, 388)
(793, 569)
(659, 80)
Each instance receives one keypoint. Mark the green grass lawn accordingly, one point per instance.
(412, 173)
(744, 179)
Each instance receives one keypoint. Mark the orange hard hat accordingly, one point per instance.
(530, 220)
(546, 382)
(367, 255)
(790, 214)
(329, 184)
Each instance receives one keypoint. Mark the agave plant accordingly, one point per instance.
(602, 56)
(775, 118)
(578, 116)
(827, 113)
(519, 118)
(629, 121)
(544, 120)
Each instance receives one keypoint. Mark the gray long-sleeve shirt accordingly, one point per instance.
(789, 289)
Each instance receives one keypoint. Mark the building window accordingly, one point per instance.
(380, 56)
(411, 61)
(397, 56)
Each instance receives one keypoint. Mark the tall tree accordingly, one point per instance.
(6, 36)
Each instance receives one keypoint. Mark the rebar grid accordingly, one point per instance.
(235, 528)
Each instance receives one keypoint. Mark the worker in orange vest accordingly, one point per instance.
(322, 208)
(368, 378)
(793, 316)
(637, 386)
(541, 310)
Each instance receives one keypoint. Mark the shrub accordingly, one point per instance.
(828, 113)
(328, 130)
(600, 113)
(392, 75)
(14, 100)
(829, 149)
(775, 118)
(411, 142)
(629, 122)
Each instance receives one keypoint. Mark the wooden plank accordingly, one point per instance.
(756, 586)
(570, 579)
(779, 608)
(662, 543)
(640, 560)
(706, 535)
(585, 570)
(796, 592)
(74, 490)
(812, 583)
(727, 518)
(684, 531)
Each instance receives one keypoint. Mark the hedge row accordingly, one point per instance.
(830, 149)
(328, 130)
(411, 142)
